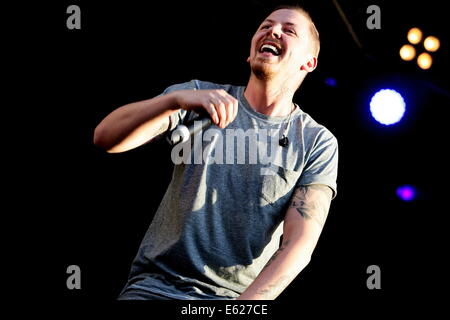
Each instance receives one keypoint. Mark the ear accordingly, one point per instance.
(310, 64)
(248, 59)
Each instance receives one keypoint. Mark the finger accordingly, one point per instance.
(235, 104)
(210, 107)
(229, 109)
(221, 110)
(231, 103)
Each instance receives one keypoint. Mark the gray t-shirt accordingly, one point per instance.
(220, 221)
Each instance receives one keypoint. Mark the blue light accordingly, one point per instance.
(387, 106)
(331, 82)
(406, 193)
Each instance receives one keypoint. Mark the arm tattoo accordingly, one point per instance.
(274, 289)
(312, 202)
(281, 248)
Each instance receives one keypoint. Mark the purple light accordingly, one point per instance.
(406, 193)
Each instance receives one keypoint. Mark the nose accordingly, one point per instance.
(275, 31)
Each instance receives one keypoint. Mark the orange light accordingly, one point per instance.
(407, 52)
(414, 35)
(431, 43)
(424, 61)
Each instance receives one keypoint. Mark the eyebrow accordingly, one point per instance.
(272, 21)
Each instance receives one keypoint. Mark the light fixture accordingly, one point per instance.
(414, 35)
(431, 43)
(407, 52)
(387, 106)
(424, 61)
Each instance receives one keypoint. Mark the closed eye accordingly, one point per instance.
(292, 31)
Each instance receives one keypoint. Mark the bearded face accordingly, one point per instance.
(281, 45)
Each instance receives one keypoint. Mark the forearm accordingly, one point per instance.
(303, 224)
(287, 262)
(134, 124)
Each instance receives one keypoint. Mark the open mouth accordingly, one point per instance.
(272, 48)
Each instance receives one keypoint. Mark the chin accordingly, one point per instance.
(263, 71)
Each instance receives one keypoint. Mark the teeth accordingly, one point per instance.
(270, 47)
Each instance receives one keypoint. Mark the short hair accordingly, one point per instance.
(312, 27)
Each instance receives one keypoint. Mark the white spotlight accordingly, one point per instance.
(387, 106)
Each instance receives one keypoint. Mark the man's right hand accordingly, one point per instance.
(139, 122)
(221, 106)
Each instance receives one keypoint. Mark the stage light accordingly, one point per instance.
(387, 106)
(414, 35)
(431, 43)
(424, 61)
(406, 192)
(331, 82)
(407, 52)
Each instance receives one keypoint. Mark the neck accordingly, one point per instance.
(269, 97)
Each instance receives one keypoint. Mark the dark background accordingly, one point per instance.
(92, 209)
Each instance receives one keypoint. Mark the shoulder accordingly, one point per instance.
(201, 85)
(315, 132)
(211, 85)
(196, 84)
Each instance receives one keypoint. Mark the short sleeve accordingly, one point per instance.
(180, 115)
(322, 163)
